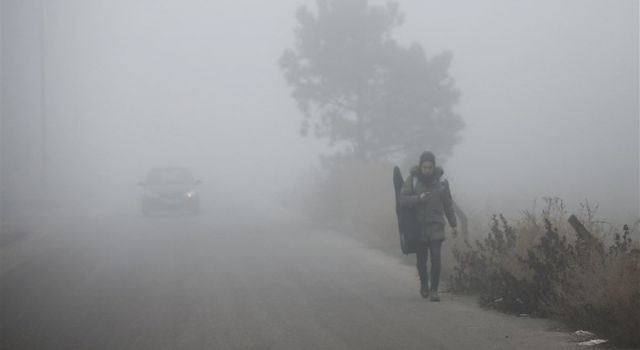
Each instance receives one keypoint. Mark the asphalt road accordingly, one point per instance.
(189, 283)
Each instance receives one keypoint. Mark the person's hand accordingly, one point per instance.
(423, 196)
(454, 231)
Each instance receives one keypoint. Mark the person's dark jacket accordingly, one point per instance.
(430, 211)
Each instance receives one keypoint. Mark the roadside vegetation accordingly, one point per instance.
(579, 270)
(538, 265)
(356, 199)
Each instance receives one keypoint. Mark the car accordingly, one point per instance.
(170, 189)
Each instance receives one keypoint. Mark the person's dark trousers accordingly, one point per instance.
(422, 255)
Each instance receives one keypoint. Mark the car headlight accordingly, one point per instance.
(190, 194)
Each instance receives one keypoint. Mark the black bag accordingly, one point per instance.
(407, 220)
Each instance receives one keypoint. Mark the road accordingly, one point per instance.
(193, 283)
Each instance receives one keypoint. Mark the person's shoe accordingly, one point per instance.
(424, 291)
(434, 296)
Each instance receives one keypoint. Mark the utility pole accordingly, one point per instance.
(2, 127)
(43, 109)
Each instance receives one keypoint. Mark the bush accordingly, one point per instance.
(488, 269)
(604, 295)
(557, 270)
(357, 199)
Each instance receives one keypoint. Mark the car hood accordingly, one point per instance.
(169, 189)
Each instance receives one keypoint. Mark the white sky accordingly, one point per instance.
(550, 97)
(549, 94)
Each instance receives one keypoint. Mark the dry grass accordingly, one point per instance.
(546, 269)
(606, 300)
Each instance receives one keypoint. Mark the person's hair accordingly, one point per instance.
(427, 157)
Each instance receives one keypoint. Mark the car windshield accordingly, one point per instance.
(169, 176)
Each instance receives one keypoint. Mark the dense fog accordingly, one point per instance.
(193, 174)
(94, 93)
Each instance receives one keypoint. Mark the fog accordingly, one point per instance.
(272, 247)
(549, 99)
(129, 86)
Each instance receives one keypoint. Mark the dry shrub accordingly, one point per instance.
(544, 267)
(358, 199)
(604, 295)
(490, 268)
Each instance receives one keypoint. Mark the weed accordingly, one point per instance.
(560, 269)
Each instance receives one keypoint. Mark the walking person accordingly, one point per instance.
(431, 198)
